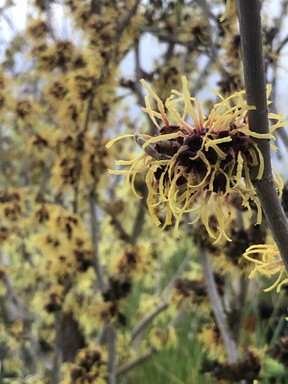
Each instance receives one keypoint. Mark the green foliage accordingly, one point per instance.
(175, 366)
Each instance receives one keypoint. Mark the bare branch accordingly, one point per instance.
(147, 319)
(58, 358)
(180, 269)
(95, 240)
(132, 364)
(96, 6)
(111, 339)
(218, 311)
(139, 221)
(206, 12)
(164, 295)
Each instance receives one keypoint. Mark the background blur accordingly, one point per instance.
(91, 291)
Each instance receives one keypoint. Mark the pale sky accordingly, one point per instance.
(15, 18)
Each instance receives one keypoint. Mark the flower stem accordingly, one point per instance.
(249, 12)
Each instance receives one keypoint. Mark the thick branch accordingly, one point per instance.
(255, 83)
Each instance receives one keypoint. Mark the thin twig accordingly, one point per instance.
(138, 88)
(95, 240)
(218, 311)
(139, 360)
(104, 72)
(172, 378)
(164, 296)
(117, 224)
(105, 67)
(207, 14)
(180, 269)
(139, 220)
(111, 339)
(281, 45)
(49, 18)
(177, 318)
(241, 300)
(202, 77)
(95, 6)
(255, 84)
(147, 319)
(17, 311)
(169, 53)
(58, 358)
(134, 363)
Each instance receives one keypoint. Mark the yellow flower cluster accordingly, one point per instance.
(267, 262)
(194, 168)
